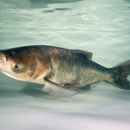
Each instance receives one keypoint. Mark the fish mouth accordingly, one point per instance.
(3, 59)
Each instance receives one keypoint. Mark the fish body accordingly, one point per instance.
(59, 68)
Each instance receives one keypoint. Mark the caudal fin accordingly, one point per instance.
(121, 73)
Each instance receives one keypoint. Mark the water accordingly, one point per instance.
(98, 26)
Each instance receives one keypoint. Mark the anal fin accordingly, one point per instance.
(88, 87)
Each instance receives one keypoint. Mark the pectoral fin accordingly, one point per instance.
(57, 90)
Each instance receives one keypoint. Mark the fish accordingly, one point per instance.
(59, 69)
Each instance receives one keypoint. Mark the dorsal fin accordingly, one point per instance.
(87, 54)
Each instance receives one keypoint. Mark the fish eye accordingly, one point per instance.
(15, 66)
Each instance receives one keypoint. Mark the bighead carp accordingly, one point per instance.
(60, 69)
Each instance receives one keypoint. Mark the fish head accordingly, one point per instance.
(22, 63)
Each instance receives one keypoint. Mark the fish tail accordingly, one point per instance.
(121, 73)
